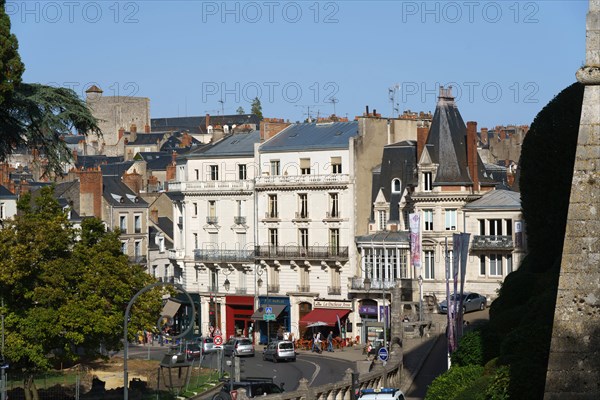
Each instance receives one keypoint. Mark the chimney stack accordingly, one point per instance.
(154, 215)
(472, 153)
(133, 181)
(121, 133)
(367, 111)
(422, 133)
(146, 128)
(90, 192)
(133, 128)
(207, 122)
(270, 127)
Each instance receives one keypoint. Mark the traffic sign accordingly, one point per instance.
(269, 317)
(218, 340)
(268, 310)
(383, 354)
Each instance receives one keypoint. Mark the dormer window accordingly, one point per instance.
(427, 181)
(210, 129)
(396, 185)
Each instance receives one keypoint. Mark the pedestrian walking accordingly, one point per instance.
(330, 341)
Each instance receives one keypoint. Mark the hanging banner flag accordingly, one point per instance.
(415, 239)
(464, 253)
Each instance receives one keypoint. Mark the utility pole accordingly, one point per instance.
(333, 101)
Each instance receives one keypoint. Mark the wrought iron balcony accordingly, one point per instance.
(334, 290)
(241, 290)
(213, 288)
(303, 253)
(273, 288)
(211, 186)
(175, 254)
(212, 220)
(271, 215)
(137, 259)
(332, 215)
(239, 220)
(303, 288)
(483, 242)
(302, 215)
(210, 255)
(358, 283)
(291, 180)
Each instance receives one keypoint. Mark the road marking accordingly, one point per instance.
(317, 369)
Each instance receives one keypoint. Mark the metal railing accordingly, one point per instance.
(358, 283)
(302, 179)
(223, 255)
(137, 259)
(300, 252)
(271, 215)
(303, 288)
(210, 186)
(332, 215)
(241, 290)
(175, 254)
(302, 215)
(239, 220)
(211, 220)
(334, 290)
(273, 288)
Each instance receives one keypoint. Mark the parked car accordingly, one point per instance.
(280, 350)
(193, 351)
(207, 345)
(254, 387)
(470, 302)
(239, 346)
(381, 394)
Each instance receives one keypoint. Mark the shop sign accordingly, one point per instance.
(333, 304)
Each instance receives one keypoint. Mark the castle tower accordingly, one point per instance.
(574, 363)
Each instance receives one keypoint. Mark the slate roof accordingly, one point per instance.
(198, 124)
(73, 139)
(155, 161)
(446, 144)
(384, 237)
(147, 138)
(116, 169)
(236, 145)
(497, 200)
(312, 136)
(116, 193)
(6, 194)
(95, 161)
(166, 225)
(399, 161)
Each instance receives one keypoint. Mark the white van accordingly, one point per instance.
(280, 350)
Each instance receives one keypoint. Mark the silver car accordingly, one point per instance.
(470, 302)
(280, 350)
(240, 346)
(206, 344)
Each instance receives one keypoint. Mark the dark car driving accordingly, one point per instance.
(254, 387)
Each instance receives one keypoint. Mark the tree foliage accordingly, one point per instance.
(451, 383)
(256, 107)
(62, 296)
(240, 110)
(470, 350)
(35, 116)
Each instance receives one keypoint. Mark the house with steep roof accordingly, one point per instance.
(8, 203)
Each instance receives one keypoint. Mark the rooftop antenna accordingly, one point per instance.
(333, 101)
(392, 97)
(222, 106)
(307, 108)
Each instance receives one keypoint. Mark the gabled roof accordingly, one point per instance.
(147, 138)
(6, 194)
(155, 161)
(312, 136)
(95, 161)
(497, 200)
(116, 193)
(236, 145)
(446, 144)
(73, 139)
(116, 168)
(166, 225)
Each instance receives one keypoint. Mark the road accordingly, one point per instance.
(316, 369)
(436, 362)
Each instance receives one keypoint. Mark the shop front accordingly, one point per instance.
(277, 320)
(327, 316)
(367, 311)
(238, 311)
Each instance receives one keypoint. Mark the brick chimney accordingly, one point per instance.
(90, 192)
(23, 187)
(152, 184)
(132, 133)
(171, 168)
(133, 128)
(270, 127)
(133, 181)
(75, 156)
(422, 133)
(186, 140)
(154, 215)
(146, 128)
(472, 154)
(207, 122)
(484, 135)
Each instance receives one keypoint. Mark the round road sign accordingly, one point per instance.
(383, 354)
(218, 340)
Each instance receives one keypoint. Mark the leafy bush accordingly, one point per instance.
(498, 387)
(451, 383)
(470, 350)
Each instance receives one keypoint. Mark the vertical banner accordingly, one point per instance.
(456, 303)
(519, 234)
(415, 239)
(450, 309)
(464, 254)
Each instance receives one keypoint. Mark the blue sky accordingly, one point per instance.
(506, 59)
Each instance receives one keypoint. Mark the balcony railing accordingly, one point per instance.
(211, 186)
(299, 252)
(303, 288)
(271, 215)
(273, 288)
(376, 284)
(241, 290)
(212, 220)
(223, 255)
(137, 259)
(175, 254)
(333, 290)
(482, 242)
(302, 215)
(332, 215)
(282, 180)
(213, 288)
(239, 220)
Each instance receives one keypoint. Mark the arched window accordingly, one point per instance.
(396, 185)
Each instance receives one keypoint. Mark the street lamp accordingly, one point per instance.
(227, 284)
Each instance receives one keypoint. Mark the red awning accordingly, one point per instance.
(328, 316)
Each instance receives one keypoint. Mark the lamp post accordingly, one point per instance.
(420, 279)
(126, 320)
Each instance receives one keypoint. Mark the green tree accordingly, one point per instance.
(67, 297)
(36, 116)
(240, 110)
(256, 108)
